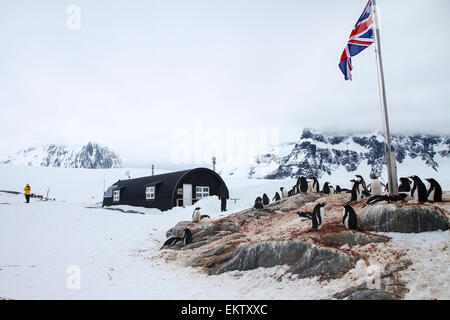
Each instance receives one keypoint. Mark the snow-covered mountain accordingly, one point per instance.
(320, 155)
(89, 156)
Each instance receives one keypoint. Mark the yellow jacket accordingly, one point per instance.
(27, 190)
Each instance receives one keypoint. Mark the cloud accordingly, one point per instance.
(136, 72)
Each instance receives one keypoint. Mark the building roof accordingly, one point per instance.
(166, 184)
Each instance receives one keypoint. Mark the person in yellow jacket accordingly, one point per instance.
(27, 190)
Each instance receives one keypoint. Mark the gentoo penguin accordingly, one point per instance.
(326, 188)
(331, 189)
(338, 189)
(265, 199)
(356, 190)
(283, 193)
(276, 197)
(309, 190)
(303, 188)
(349, 219)
(378, 198)
(315, 186)
(307, 215)
(187, 237)
(363, 183)
(405, 185)
(375, 186)
(292, 192)
(258, 204)
(386, 198)
(418, 191)
(171, 241)
(196, 215)
(318, 217)
(435, 191)
(297, 185)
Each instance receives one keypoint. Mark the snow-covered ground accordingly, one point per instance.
(46, 245)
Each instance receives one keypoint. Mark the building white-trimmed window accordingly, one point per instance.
(150, 193)
(201, 192)
(116, 195)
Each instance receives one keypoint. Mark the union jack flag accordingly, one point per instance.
(360, 38)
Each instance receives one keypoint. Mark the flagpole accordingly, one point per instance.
(390, 156)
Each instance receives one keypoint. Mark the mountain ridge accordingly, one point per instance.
(319, 154)
(90, 156)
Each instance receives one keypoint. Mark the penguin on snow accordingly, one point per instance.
(434, 192)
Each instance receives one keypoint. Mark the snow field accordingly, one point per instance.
(117, 253)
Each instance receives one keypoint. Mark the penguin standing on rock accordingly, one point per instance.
(310, 186)
(293, 191)
(276, 197)
(187, 237)
(363, 183)
(315, 185)
(317, 216)
(258, 204)
(297, 185)
(303, 185)
(418, 191)
(331, 189)
(435, 191)
(326, 188)
(197, 216)
(265, 199)
(338, 189)
(356, 190)
(405, 185)
(375, 186)
(350, 220)
(283, 193)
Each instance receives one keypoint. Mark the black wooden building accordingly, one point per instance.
(165, 191)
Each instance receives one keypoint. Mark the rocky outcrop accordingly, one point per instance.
(252, 239)
(362, 292)
(291, 203)
(204, 231)
(405, 218)
(304, 259)
(348, 237)
(207, 230)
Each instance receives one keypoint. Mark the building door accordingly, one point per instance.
(187, 195)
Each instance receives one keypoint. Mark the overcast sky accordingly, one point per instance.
(135, 72)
